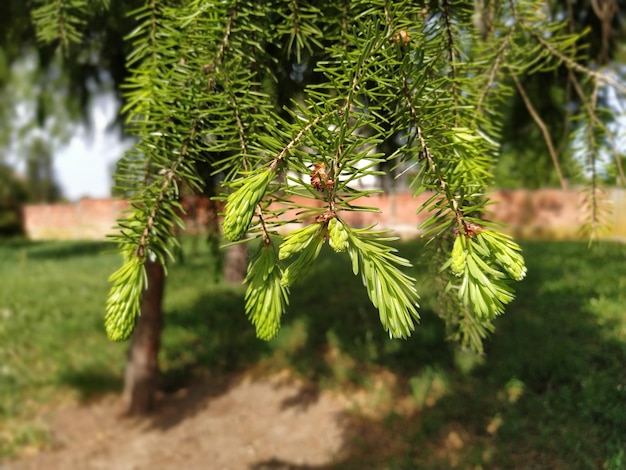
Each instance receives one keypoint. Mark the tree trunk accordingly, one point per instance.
(142, 369)
(236, 264)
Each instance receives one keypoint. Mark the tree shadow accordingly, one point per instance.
(91, 384)
(174, 407)
(209, 342)
(549, 393)
(52, 250)
(277, 464)
(16, 242)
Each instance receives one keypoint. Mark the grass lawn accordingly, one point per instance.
(550, 392)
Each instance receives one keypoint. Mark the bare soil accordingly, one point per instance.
(240, 422)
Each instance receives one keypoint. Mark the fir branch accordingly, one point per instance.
(593, 116)
(493, 72)
(124, 300)
(592, 157)
(595, 207)
(169, 177)
(574, 65)
(238, 120)
(60, 20)
(299, 25)
(63, 36)
(236, 109)
(266, 297)
(227, 33)
(391, 291)
(344, 23)
(280, 156)
(427, 156)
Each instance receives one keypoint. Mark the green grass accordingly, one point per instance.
(51, 307)
(549, 393)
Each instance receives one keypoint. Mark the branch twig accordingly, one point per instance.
(544, 130)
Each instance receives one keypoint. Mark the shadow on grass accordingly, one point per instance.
(548, 394)
(51, 250)
(91, 383)
(16, 242)
(64, 250)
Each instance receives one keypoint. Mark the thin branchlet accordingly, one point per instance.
(169, 176)
(593, 116)
(62, 33)
(559, 54)
(219, 58)
(440, 178)
(299, 136)
(544, 130)
(493, 72)
(452, 53)
(592, 157)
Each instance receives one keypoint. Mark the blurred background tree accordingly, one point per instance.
(13, 193)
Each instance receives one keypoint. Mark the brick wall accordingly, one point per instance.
(547, 213)
(87, 219)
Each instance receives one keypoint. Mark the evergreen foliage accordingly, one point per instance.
(433, 76)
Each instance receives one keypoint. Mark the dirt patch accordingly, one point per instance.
(236, 423)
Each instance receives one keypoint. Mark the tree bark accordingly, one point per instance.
(236, 264)
(141, 377)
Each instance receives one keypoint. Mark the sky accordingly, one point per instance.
(84, 166)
